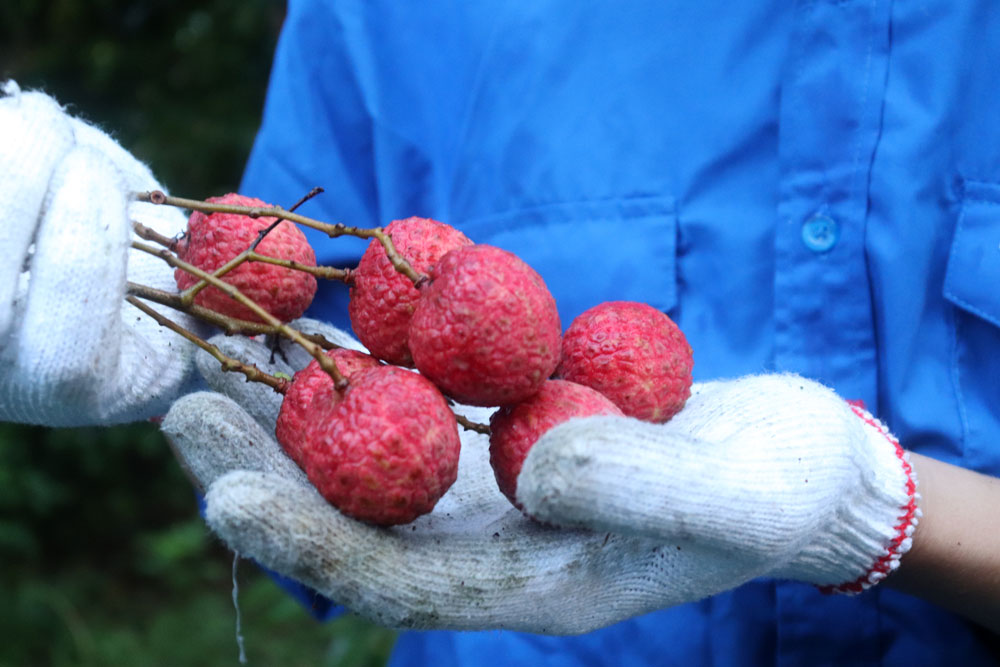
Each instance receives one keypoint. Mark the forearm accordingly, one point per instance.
(955, 559)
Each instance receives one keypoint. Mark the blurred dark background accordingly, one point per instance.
(103, 558)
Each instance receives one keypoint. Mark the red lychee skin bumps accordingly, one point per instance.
(632, 353)
(383, 299)
(308, 384)
(387, 451)
(212, 240)
(515, 429)
(486, 329)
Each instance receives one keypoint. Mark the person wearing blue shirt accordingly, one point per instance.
(808, 188)
(801, 187)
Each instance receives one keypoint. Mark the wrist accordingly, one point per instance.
(955, 560)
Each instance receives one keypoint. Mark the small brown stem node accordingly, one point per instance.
(470, 425)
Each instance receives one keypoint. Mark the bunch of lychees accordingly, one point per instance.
(377, 440)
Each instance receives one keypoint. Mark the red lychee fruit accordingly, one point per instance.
(632, 353)
(212, 240)
(383, 299)
(486, 330)
(308, 384)
(387, 451)
(515, 429)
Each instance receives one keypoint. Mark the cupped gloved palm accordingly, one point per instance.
(766, 475)
(71, 350)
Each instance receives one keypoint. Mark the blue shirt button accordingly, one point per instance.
(820, 233)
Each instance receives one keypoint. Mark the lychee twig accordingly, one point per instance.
(331, 230)
(470, 425)
(150, 234)
(251, 372)
(325, 272)
(187, 296)
(264, 232)
(306, 197)
(229, 325)
(235, 326)
(281, 328)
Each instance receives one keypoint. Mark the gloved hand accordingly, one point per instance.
(767, 475)
(71, 350)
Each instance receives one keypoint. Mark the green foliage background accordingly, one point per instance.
(103, 558)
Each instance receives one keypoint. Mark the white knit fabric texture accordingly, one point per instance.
(774, 470)
(770, 475)
(71, 351)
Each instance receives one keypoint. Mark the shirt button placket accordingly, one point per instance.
(823, 328)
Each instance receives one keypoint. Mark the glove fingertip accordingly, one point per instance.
(34, 138)
(213, 435)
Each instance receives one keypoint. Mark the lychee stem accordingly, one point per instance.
(229, 325)
(325, 362)
(150, 234)
(306, 197)
(249, 255)
(251, 372)
(331, 230)
(234, 326)
(470, 425)
(264, 232)
(324, 272)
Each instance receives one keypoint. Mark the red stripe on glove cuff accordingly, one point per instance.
(903, 529)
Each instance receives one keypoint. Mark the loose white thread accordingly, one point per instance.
(236, 604)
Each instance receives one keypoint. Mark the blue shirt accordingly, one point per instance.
(810, 187)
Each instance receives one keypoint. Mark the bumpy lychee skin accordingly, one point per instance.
(308, 384)
(515, 429)
(486, 329)
(632, 353)
(383, 299)
(387, 451)
(214, 239)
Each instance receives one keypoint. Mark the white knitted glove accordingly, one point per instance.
(764, 475)
(71, 350)
(775, 471)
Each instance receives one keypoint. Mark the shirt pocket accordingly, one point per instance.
(972, 281)
(588, 252)
(972, 285)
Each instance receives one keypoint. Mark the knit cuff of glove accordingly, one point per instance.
(872, 531)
